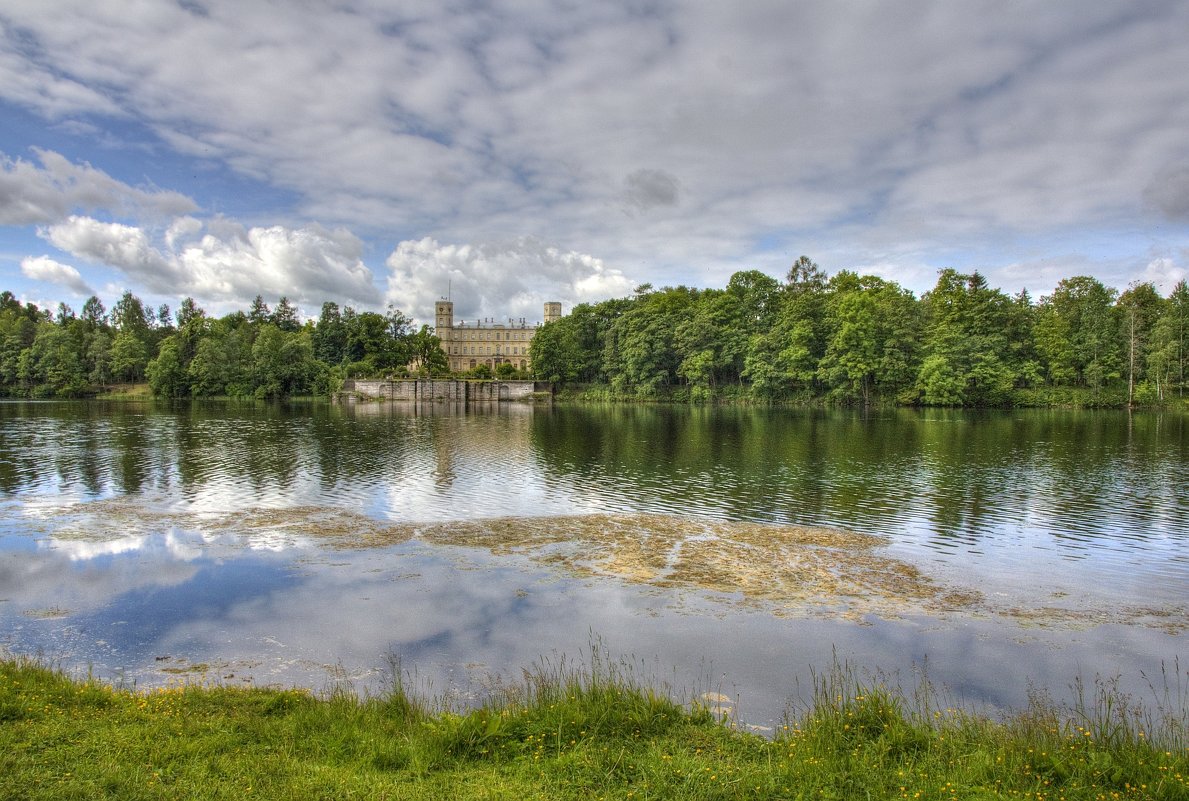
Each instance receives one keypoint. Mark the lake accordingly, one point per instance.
(724, 550)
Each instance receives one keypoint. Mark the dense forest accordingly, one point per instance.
(846, 338)
(263, 353)
(855, 338)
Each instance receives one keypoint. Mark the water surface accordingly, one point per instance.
(305, 544)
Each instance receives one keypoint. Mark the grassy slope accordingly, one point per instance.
(559, 737)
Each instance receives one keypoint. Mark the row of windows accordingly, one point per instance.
(462, 364)
(506, 336)
(512, 351)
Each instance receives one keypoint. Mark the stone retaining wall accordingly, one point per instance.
(444, 390)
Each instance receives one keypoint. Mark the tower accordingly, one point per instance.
(552, 311)
(445, 315)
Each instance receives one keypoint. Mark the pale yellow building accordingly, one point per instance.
(470, 343)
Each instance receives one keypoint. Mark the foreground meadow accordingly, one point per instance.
(590, 732)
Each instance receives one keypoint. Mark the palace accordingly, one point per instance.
(470, 344)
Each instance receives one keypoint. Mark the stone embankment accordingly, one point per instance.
(445, 390)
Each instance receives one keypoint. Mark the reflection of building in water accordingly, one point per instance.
(486, 342)
(449, 445)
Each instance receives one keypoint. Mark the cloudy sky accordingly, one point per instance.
(373, 152)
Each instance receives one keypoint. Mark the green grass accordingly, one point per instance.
(124, 392)
(573, 733)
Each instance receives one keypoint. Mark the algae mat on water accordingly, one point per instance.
(788, 570)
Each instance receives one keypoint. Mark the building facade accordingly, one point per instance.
(469, 344)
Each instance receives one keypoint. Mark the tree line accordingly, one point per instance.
(847, 338)
(262, 353)
(854, 338)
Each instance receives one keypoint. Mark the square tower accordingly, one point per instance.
(445, 315)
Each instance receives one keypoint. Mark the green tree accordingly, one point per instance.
(283, 363)
(128, 356)
(18, 329)
(259, 314)
(785, 357)
(99, 358)
(53, 365)
(872, 337)
(164, 320)
(166, 373)
(640, 355)
(94, 313)
(1140, 307)
(222, 362)
(65, 314)
(1177, 322)
(188, 312)
(572, 347)
(427, 351)
(130, 316)
(1165, 357)
(330, 335)
(554, 352)
(1077, 333)
(966, 344)
(284, 316)
(714, 342)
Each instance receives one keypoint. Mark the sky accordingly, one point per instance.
(509, 153)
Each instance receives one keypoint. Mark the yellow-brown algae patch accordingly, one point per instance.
(182, 670)
(52, 613)
(1170, 621)
(338, 527)
(796, 569)
(793, 571)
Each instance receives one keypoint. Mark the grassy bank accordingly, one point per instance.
(124, 392)
(566, 734)
(740, 395)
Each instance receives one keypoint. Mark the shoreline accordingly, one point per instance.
(578, 731)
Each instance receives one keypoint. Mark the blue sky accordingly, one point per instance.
(375, 153)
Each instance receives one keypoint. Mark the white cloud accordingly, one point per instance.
(498, 280)
(228, 263)
(1164, 272)
(124, 247)
(182, 229)
(30, 194)
(34, 84)
(309, 265)
(43, 268)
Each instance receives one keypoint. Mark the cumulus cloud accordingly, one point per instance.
(124, 247)
(309, 265)
(1164, 272)
(228, 263)
(181, 229)
(32, 194)
(43, 268)
(498, 280)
